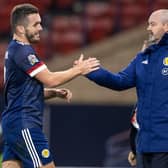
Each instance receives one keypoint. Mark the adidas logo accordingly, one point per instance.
(145, 62)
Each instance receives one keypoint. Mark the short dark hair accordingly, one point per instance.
(20, 12)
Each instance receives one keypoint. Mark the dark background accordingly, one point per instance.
(79, 134)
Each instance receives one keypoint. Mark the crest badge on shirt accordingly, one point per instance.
(32, 59)
(165, 61)
(45, 153)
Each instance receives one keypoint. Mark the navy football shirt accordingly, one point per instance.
(24, 97)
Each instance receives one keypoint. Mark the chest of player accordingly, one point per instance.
(152, 68)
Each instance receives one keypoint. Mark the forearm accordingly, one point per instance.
(133, 134)
(104, 78)
(58, 78)
(109, 80)
(54, 79)
(48, 93)
(62, 93)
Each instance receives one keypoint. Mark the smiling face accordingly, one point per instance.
(32, 28)
(26, 23)
(158, 24)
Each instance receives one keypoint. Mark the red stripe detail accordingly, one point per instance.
(35, 67)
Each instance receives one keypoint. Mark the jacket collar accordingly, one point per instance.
(164, 40)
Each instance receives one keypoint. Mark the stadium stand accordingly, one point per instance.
(66, 34)
(99, 19)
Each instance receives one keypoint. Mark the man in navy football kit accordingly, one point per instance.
(25, 144)
(148, 72)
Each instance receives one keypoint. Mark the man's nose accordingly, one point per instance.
(148, 28)
(40, 27)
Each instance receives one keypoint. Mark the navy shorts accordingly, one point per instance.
(29, 146)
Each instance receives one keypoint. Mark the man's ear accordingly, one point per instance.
(20, 29)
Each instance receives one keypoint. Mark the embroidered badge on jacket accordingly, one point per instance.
(165, 61)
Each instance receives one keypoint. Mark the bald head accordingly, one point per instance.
(158, 24)
(161, 15)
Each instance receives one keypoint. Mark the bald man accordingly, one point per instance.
(148, 72)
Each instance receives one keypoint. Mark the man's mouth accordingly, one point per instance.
(151, 37)
(37, 35)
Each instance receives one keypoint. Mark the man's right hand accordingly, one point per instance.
(81, 67)
(88, 65)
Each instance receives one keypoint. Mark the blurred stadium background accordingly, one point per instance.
(93, 130)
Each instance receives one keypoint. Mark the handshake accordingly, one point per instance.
(80, 67)
(86, 66)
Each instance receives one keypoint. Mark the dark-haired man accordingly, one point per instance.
(25, 144)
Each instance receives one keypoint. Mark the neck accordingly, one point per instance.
(20, 38)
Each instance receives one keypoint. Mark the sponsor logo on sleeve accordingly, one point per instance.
(145, 62)
(32, 59)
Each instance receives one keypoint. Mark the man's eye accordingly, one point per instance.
(153, 24)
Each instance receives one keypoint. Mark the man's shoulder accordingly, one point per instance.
(19, 45)
(19, 48)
